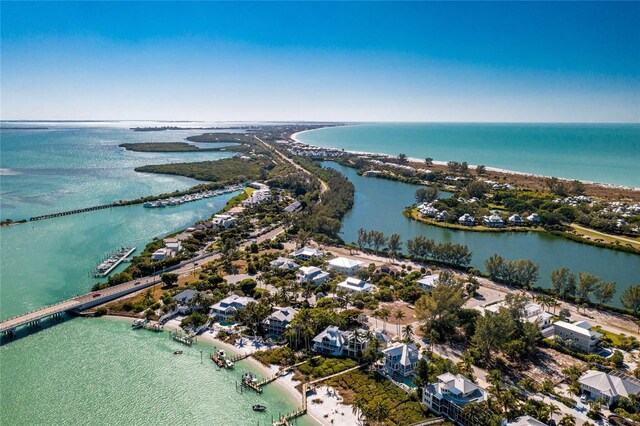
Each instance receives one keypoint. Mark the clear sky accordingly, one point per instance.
(508, 61)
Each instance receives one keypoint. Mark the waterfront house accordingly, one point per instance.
(223, 220)
(329, 342)
(608, 386)
(334, 342)
(532, 313)
(345, 265)
(185, 298)
(307, 253)
(516, 220)
(450, 394)
(427, 210)
(401, 358)
(428, 282)
(279, 320)
(533, 219)
(161, 254)
(258, 196)
(466, 220)
(493, 221)
(284, 263)
(355, 285)
(225, 310)
(443, 216)
(172, 244)
(312, 274)
(579, 335)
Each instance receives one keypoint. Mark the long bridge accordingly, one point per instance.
(76, 211)
(75, 305)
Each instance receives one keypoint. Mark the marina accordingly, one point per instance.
(176, 201)
(115, 259)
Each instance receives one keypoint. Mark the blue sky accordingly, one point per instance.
(509, 61)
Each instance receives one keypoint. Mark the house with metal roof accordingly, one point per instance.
(401, 358)
(450, 394)
(608, 386)
(345, 265)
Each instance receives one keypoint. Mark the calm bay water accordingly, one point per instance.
(67, 167)
(101, 372)
(379, 204)
(608, 153)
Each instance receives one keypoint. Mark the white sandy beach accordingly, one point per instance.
(471, 166)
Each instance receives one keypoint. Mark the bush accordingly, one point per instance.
(284, 356)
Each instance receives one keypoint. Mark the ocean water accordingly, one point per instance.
(608, 153)
(387, 199)
(69, 166)
(101, 372)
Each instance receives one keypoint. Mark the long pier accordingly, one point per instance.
(77, 211)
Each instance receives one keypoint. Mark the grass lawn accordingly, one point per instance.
(606, 238)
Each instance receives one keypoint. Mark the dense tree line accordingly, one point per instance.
(423, 248)
(520, 273)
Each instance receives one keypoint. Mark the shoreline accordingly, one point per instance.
(294, 137)
(286, 385)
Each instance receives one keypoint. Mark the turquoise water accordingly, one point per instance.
(607, 153)
(66, 167)
(379, 204)
(101, 372)
(50, 260)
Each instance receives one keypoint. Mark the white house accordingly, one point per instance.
(279, 320)
(332, 341)
(223, 220)
(516, 220)
(533, 313)
(450, 394)
(284, 263)
(466, 220)
(610, 387)
(172, 247)
(533, 218)
(260, 195)
(355, 285)
(493, 221)
(306, 253)
(161, 254)
(225, 309)
(312, 274)
(401, 358)
(579, 334)
(345, 265)
(443, 216)
(428, 282)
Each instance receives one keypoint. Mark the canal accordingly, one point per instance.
(379, 204)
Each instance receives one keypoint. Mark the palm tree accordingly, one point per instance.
(385, 313)
(553, 410)
(358, 407)
(399, 316)
(567, 420)
(407, 332)
(376, 315)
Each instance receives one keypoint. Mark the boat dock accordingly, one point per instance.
(147, 325)
(115, 259)
(183, 338)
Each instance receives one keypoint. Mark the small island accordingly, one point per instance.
(164, 147)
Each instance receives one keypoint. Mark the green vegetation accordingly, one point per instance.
(223, 137)
(319, 367)
(169, 147)
(283, 356)
(379, 400)
(224, 171)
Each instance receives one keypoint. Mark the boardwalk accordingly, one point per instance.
(77, 211)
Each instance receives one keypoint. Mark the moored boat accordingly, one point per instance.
(259, 407)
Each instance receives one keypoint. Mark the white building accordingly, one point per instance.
(161, 254)
(355, 285)
(516, 220)
(334, 342)
(466, 220)
(172, 247)
(493, 221)
(532, 313)
(579, 334)
(450, 394)
(611, 387)
(223, 220)
(428, 282)
(226, 309)
(401, 358)
(525, 421)
(284, 263)
(277, 323)
(345, 265)
(260, 195)
(306, 253)
(533, 219)
(312, 274)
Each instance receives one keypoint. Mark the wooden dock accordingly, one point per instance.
(183, 338)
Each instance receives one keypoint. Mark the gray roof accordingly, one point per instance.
(611, 385)
(185, 296)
